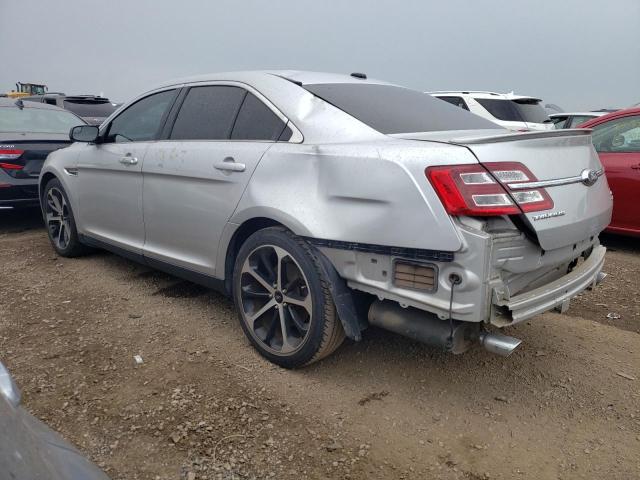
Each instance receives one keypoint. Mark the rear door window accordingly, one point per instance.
(621, 135)
(208, 113)
(521, 110)
(457, 101)
(578, 120)
(141, 121)
(256, 121)
(560, 122)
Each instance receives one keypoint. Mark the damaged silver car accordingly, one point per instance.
(324, 203)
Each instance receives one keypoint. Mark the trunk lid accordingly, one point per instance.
(561, 159)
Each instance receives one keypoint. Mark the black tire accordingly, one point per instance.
(324, 332)
(71, 247)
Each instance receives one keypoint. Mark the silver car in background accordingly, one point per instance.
(30, 450)
(324, 203)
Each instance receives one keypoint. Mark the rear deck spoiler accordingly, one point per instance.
(515, 136)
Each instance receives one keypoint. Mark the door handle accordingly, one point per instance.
(128, 160)
(230, 165)
(636, 167)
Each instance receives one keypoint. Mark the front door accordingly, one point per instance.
(618, 144)
(110, 174)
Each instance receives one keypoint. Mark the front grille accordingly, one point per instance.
(417, 276)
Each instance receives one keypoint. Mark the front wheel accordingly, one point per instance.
(60, 222)
(283, 299)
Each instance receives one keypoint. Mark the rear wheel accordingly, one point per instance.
(283, 299)
(60, 222)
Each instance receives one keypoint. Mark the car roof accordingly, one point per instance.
(12, 102)
(612, 115)
(484, 94)
(296, 76)
(583, 114)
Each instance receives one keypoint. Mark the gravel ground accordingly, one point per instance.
(203, 404)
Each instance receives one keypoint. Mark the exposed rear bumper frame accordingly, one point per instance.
(555, 294)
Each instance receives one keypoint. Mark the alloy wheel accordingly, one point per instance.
(57, 218)
(276, 301)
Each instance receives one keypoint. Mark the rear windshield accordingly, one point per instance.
(90, 109)
(390, 109)
(524, 110)
(37, 120)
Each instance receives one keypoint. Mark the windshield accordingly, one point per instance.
(90, 109)
(521, 110)
(390, 109)
(37, 120)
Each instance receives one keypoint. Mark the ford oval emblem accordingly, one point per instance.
(589, 177)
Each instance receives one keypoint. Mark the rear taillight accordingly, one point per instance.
(8, 157)
(482, 190)
(12, 154)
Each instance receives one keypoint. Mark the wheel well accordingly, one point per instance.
(44, 180)
(245, 230)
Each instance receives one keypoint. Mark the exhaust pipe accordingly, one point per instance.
(422, 326)
(430, 330)
(499, 344)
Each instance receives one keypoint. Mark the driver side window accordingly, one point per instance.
(620, 136)
(142, 121)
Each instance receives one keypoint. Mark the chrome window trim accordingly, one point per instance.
(296, 135)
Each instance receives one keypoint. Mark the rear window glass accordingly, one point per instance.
(526, 110)
(208, 113)
(37, 120)
(390, 109)
(90, 109)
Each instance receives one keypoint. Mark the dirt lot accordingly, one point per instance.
(205, 405)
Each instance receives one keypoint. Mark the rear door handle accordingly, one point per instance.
(128, 160)
(230, 165)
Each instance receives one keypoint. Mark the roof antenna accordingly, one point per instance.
(19, 104)
(361, 76)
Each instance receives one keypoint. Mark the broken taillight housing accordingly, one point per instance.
(483, 189)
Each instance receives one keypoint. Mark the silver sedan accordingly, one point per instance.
(325, 203)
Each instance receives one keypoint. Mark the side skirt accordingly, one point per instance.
(180, 272)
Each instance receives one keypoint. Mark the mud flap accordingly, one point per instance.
(342, 297)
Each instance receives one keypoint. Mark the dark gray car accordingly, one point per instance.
(91, 108)
(28, 133)
(31, 450)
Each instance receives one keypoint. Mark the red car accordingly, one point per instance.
(616, 137)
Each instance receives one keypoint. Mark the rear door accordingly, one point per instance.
(618, 144)
(110, 173)
(195, 177)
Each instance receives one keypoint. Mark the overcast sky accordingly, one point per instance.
(574, 53)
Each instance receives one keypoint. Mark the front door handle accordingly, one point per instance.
(128, 160)
(230, 165)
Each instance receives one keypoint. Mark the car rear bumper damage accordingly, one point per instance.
(555, 294)
(505, 279)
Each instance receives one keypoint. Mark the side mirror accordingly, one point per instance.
(8, 389)
(84, 133)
